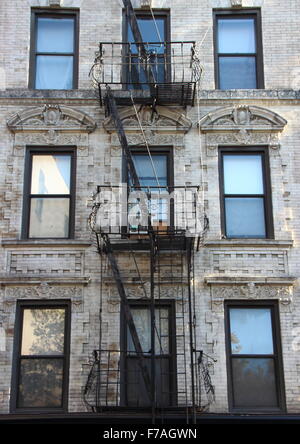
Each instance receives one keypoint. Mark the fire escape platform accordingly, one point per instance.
(179, 94)
(167, 243)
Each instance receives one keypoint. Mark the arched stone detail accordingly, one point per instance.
(162, 119)
(51, 124)
(242, 125)
(51, 116)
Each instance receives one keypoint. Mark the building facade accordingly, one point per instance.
(193, 312)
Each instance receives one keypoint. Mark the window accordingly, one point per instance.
(135, 392)
(54, 50)
(41, 366)
(155, 176)
(49, 194)
(155, 34)
(238, 50)
(255, 371)
(245, 194)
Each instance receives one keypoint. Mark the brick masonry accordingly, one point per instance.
(224, 269)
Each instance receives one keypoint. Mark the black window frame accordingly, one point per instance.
(17, 356)
(27, 196)
(276, 356)
(164, 150)
(35, 14)
(235, 14)
(142, 13)
(172, 355)
(267, 195)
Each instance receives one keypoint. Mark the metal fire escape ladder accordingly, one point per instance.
(113, 111)
(131, 17)
(108, 249)
(156, 242)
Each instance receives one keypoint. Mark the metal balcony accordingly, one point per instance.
(114, 380)
(162, 72)
(168, 211)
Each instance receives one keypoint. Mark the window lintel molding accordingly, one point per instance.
(251, 290)
(51, 116)
(242, 125)
(50, 125)
(163, 120)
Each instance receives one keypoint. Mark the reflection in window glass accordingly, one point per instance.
(43, 331)
(254, 361)
(40, 383)
(50, 196)
(251, 331)
(255, 383)
(49, 217)
(42, 357)
(50, 174)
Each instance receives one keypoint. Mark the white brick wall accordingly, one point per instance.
(102, 20)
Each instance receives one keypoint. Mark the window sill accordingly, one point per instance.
(266, 243)
(244, 280)
(21, 243)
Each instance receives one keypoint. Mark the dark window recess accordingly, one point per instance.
(135, 393)
(54, 51)
(49, 201)
(41, 368)
(254, 360)
(245, 194)
(238, 49)
(155, 34)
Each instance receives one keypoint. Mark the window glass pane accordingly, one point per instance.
(49, 217)
(50, 174)
(236, 36)
(142, 320)
(151, 31)
(55, 35)
(54, 72)
(237, 73)
(243, 174)
(245, 217)
(40, 383)
(254, 382)
(251, 331)
(43, 331)
(137, 77)
(148, 175)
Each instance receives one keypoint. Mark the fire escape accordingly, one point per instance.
(157, 368)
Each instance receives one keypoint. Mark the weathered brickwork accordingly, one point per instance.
(249, 270)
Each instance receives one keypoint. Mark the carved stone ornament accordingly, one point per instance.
(162, 119)
(43, 291)
(251, 291)
(51, 124)
(242, 125)
(236, 3)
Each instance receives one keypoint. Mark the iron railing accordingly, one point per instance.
(128, 65)
(137, 210)
(115, 380)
